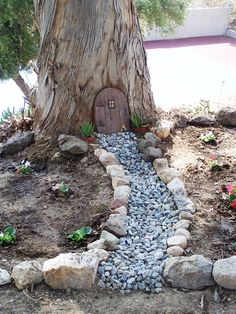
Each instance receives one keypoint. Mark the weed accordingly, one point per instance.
(80, 234)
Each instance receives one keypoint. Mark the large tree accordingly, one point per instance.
(86, 46)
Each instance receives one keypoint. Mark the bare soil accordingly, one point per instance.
(43, 220)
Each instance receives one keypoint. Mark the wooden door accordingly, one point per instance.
(111, 111)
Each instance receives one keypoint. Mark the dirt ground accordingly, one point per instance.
(43, 220)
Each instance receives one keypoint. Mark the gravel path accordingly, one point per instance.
(138, 263)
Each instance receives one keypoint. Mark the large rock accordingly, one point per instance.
(149, 136)
(122, 193)
(176, 186)
(108, 159)
(116, 225)
(18, 142)
(202, 120)
(227, 116)
(143, 144)
(192, 272)
(151, 153)
(181, 120)
(224, 272)
(160, 165)
(27, 274)
(175, 251)
(110, 239)
(118, 181)
(177, 240)
(5, 277)
(71, 270)
(169, 174)
(72, 144)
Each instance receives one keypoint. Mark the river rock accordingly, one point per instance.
(27, 274)
(169, 174)
(185, 224)
(224, 272)
(191, 272)
(143, 144)
(183, 232)
(98, 244)
(164, 128)
(113, 169)
(71, 270)
(118, 181)
(176, 186)
(72, 144)
(116, 226)
(5, 277)
(186, 216)
(160, 165)
(99, 151)
(18, 142)
(108, 159)
(175, 251)
(149, 136)
(151, 153)
(177, 240)
(110, 239)
(121, 211)
(122, 193)
(227, 116)
(202, 120)
(181, 120)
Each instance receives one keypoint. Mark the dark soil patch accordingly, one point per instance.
(214, 229)
(42, 219)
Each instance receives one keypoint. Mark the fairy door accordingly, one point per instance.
(111, 111)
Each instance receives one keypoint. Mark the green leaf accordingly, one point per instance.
(80, 234)
(87, 129)
(64, 188)
(10, 230)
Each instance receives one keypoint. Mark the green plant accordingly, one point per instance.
(8, 236)
(136, 121)
(232, 195)
(80, 234)
(215, 163)
(208, 137)
(87, 129)
(203, 107)
(6, 115)
(63, 188)
(24, 169)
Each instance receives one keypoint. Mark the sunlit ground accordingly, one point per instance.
(183, 72)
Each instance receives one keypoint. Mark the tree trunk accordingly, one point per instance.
(88, 45)
(25, 88)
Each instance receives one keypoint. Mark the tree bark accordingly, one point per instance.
(88, 45)
(25, 88)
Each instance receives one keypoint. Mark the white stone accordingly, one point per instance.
(177, 240)
(186, 216)
(122, 193)
(183, 232)
(108, 159)
(160, 164)
(116, 181)
(175, 251)
(98, 152)
(120, 210)
(169, 174)
(101, 254)
(224, 272)
(5, 277)
(71, 270)
(176, 186)
(98, 244)
(191, 272)
(185, 224)
(112, 169)
(163, 129)
(27, 274)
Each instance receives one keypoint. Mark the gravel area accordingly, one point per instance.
(138, 263)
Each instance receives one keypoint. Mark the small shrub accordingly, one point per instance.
(87, 130)
(215, 163)
(8, 236)
(63, 188)
(208, 137)
(80, 234)
(24, 169)
(136, 121)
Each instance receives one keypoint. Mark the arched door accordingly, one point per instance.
(111, 111)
